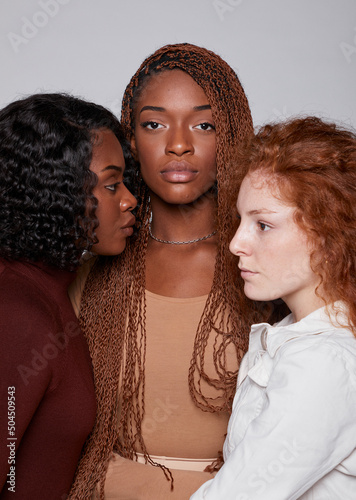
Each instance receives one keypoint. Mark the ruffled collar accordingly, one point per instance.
(265, 337)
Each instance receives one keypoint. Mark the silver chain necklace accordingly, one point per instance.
(179, 242)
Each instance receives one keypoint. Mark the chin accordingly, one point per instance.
(258, 295)
(110, 251)
(182, 196)
(178, 198)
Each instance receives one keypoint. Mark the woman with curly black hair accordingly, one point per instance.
(62, 162)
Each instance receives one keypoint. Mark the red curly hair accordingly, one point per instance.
(313, 166)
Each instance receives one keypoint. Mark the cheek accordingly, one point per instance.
(144, 154)
(147, 174)
(209, 154)
(147, 148)
(208, 162)
(213, 171)
(299, 255)
(291, 271)
(148, 163)
(300, 270)
(107, 215)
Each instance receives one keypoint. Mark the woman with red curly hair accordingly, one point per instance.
(292, 433)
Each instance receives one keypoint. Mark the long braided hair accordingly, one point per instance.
(113, 304)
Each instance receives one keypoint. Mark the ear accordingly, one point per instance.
(133, 147)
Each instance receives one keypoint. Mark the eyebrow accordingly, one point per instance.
(202, 108)
(162, 110)
(112, 167)
(261, 211)
(152, 108)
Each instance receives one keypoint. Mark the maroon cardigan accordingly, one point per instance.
(47, 397)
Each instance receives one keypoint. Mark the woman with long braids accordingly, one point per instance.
(170, 314)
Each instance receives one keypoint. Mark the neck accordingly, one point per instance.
(301, 310)
(183, 222)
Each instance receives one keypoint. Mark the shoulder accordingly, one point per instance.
(328, 356)
(33, 343)
(24, 306)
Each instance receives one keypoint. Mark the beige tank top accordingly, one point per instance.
(173, 426)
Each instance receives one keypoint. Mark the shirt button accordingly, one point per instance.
(264, 339)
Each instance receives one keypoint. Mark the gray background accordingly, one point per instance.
(292, 56)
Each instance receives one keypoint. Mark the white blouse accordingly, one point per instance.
(292, 432)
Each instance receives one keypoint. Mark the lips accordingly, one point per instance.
(179, 171)
(130, 223)
(246, 273)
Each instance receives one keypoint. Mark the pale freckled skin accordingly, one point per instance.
(273, 251)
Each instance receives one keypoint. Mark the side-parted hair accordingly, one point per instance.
(312, 165)
(47, 209)
(119, 358)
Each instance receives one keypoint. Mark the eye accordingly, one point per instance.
(264, 227)
(112, 187)
(205, 126)
(151, 125)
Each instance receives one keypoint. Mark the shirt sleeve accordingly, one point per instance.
(303, 429)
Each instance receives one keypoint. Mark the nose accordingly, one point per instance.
(179, 141)
(128, 202)
(239, 244)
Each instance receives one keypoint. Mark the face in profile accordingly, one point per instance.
(174, 138)
(273, 251)
(115, 202)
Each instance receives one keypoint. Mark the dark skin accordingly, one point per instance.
(174, 141)
(182, 270)
(174, 126)
(174, 270)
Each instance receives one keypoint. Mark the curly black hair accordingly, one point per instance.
(47, 209)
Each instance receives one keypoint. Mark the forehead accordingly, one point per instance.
(106, 151)
(259, 188)
(172, 84)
